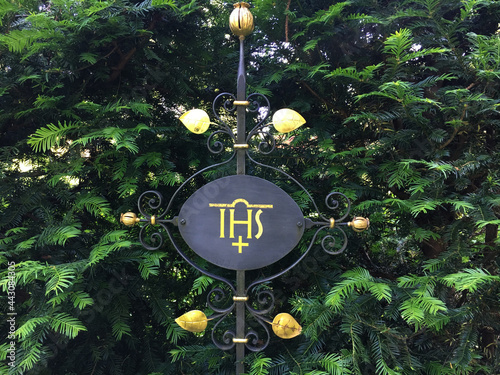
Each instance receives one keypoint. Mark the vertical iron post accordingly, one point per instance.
(240, 111)
(240, 170)
(240, 322)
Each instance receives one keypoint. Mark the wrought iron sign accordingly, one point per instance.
(244, 217)
(241, 222)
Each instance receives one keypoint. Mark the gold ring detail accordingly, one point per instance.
(240, 299)
(332, 222)
(153, 220)
(241, 102)
(240, 341)
(240, 146)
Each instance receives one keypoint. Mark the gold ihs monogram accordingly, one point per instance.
(248, 222)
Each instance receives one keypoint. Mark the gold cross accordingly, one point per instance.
(240, 244)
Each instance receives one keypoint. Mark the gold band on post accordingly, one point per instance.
(153, 220)
(332, 222)
(240, 146)
(240, 341)
(241, 102)
(240, 299)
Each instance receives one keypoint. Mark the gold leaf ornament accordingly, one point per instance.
(196, 120)
(285, 120)
(285, 326)
(193, 321)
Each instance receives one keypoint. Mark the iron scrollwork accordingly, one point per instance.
(233, 297)
(216, 147)
(265, 302)
(148, 204)
(257, 104)
(214, 298)
(329, 241)
(254, 341)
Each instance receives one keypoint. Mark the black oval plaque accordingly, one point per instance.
(241, 222)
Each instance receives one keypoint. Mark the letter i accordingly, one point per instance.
(222, 216)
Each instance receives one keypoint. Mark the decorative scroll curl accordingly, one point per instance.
(151, 241)
(224, 101)
(267, 143)
(149, 203)
(215, 298)
(333, 203)
(331, 244)
(256, 106)
(265, 301)
(227, 338)
(227, 105)
(255, 342)
(215, 146)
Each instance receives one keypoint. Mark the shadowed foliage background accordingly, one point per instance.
(401, 103)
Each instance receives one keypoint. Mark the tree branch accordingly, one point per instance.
(326, 102)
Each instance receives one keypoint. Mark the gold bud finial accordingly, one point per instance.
(241, 20)
(129, 219)
(359, 224)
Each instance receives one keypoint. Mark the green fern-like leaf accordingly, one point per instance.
(18, 41)
(100, 252)
(201, 284)
(150, 264)
(422, 206)
(51, 135)
(379, 351)
(181, 352)
(468, 339)
(260, 364)
(398, 46)
(81, 299)
(469, 279)
(352, 73)
(57, 235)
(414, 310)
(319, 316)
(120, 328)
(58, 299)
(335, 364)
(26, 272)
(88, 57)
(151, 159)
(174, 332)
(28, 327)
(380, 291)
(128, 187)
(66, 325)
(93, 204)
(398, 43)
(30, 355)
(357, 279)
(61, 278)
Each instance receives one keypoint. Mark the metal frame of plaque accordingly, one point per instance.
(241, 222)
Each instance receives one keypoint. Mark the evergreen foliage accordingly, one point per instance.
(401, 102)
